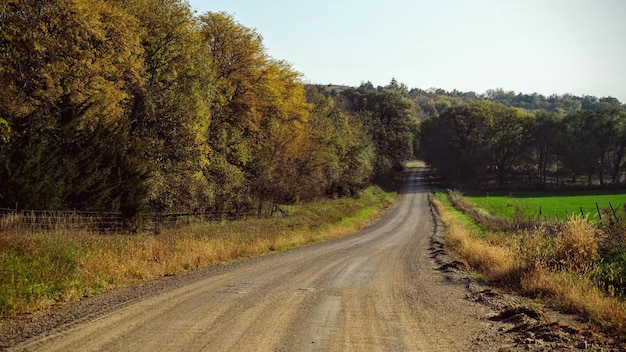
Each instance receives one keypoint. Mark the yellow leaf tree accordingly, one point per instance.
(258, 116)
(170, 109)
(67, 69)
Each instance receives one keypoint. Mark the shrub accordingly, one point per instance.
(575, 246)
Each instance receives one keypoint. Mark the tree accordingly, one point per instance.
(610, 135)
(509, 138)
(391, 121)
(581, 154)
(339, 151)
(456, 142)
(466, 140)
(279, 144)
(397, 87)
(67, 68)
(239, 63)
(546, 132)
(595, 143)
(170, 107)
(258, 130)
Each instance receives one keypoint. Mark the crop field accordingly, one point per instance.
(551, 205)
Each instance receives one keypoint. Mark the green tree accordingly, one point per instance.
(595, 143)
(610, 136)
(391, 121)
(67, 68)
(508, 138)
(456, 142)
(466, 140)
(546, 136)
(581, 152)
(339, 149)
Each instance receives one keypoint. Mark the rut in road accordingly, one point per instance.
(376, 290)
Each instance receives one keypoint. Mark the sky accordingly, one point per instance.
(543, 46)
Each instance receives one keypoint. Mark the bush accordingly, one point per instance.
(575, 246)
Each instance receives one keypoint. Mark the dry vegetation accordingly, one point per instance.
(557, 263)
(38, 270)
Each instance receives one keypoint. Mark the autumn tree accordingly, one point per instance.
(238, 60)
(259, 114)
(5, 131)
(67, 68)
(170, 107)
(278, 145)
(339, 153)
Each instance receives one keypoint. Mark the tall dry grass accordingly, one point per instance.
(556, 263)
(38, 270)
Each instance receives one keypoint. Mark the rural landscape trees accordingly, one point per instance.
(483, 143)
(144, 105)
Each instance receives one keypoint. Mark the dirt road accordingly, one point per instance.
(377, 290)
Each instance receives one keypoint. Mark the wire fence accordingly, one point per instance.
(112, 222)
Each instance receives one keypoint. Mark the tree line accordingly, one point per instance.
(144, 105)
(487, 144)
(503, 140)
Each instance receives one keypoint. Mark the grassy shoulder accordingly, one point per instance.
(38, 270)
(559, 264)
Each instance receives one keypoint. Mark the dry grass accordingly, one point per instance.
(555, 264)
(38, 270)
(480, 255)
(576, 294)
(575, 246)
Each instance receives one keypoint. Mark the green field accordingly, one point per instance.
(552, 204)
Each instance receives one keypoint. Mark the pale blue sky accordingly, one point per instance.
(543, 46)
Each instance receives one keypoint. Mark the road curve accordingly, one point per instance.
(376, 290)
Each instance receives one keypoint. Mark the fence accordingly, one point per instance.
(46, 220)
(110, 222)
(611, 214)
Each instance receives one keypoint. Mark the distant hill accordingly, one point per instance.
(330, 88)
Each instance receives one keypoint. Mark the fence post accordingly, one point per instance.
(613, 210)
